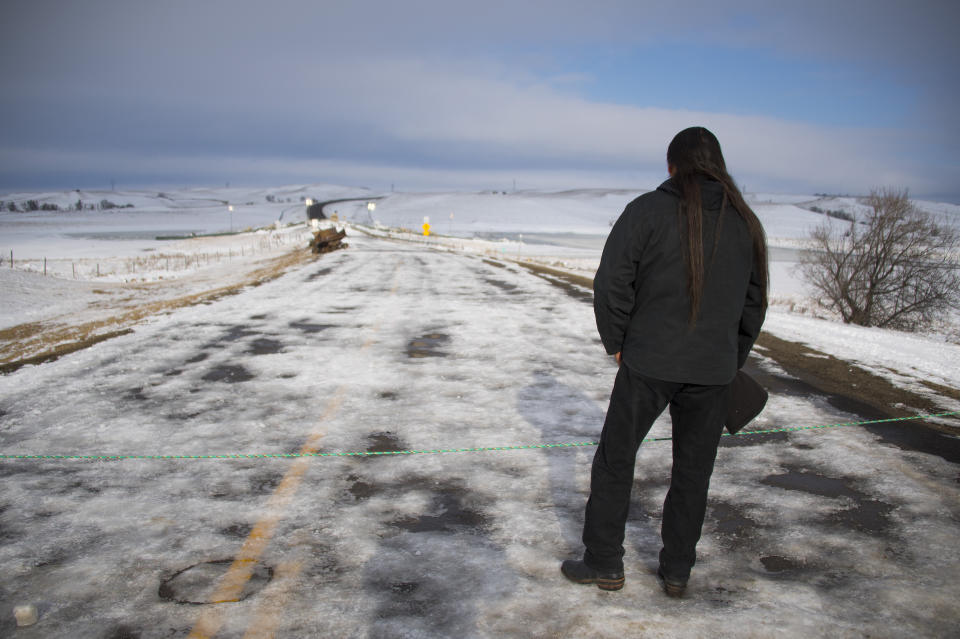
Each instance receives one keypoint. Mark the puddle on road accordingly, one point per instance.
(503, 286)
(429, 345)
(239, 332)
(729, 520)
(197, 584)
(778, 564)
(228, 373)
(453, 515)
(868, 515)
(812, 483)
(230, 335)
(383, 442)
(318, 274)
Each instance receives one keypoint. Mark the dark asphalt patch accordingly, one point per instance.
(429, 345)
(362, 490)
(503, 286)
(235, 333)
(122, 632)
(264, 346)
(135, 394)
(238, 531)
(199, 357)
(453, 515)
(309, 327)
(388, 395)
(384, 442)
(812, 483)
(229, 374)
(232, 334)
(184, 417)
(731, 522)
(754, 440)
(265, 483)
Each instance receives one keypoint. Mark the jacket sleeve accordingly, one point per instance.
(613, 285)
(751, 319)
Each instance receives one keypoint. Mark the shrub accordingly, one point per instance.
(897, 267)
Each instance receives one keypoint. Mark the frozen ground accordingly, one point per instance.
(394, 345)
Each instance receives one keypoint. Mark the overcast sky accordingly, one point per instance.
(806, 96)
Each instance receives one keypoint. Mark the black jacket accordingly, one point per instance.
(640, 291)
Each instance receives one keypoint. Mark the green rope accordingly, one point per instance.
(437, 451)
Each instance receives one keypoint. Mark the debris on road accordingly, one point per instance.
(327, 240)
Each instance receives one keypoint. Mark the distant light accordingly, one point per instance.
(371, 206)
(230, 208)
(309, 202)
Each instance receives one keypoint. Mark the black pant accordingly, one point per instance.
(698, 414)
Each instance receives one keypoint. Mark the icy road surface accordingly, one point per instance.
(389, 346)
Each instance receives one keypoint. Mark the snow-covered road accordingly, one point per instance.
(390, 346)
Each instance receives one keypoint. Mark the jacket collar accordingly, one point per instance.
(711, 191)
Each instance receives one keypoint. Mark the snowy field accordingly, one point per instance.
(401, 343)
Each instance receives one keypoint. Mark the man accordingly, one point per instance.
(679, 298)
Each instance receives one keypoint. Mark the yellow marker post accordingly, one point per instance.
(426, 229)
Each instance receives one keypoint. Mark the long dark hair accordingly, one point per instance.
(693, 154)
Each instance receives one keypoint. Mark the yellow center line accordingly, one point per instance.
(231, 585)
(270, 608)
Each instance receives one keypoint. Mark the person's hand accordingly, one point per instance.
(618, 358)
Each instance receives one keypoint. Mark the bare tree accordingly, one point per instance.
(894, 267)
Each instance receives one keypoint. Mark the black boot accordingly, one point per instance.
(673, 587)
(581, 573)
